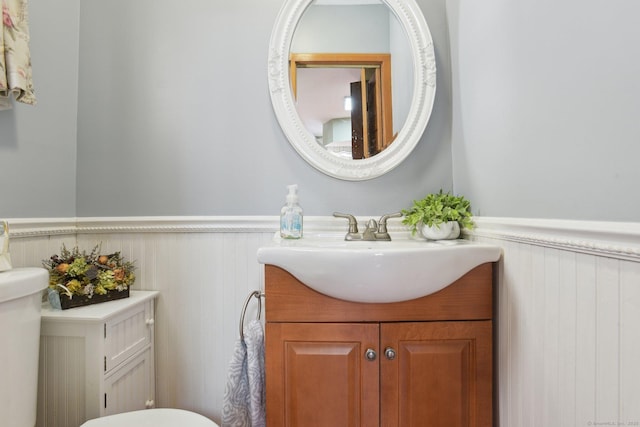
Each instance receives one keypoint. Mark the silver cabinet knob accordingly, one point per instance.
(390, 353)
(149, 404)
(370, 354)
(150, 322)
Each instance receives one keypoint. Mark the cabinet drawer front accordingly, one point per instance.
(128, 333)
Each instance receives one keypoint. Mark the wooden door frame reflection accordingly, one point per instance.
(380, 61)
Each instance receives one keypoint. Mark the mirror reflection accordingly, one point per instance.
(351, 76)
(345, 101)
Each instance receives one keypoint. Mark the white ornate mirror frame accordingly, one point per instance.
(424, 75)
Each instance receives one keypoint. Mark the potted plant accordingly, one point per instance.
(439, 216)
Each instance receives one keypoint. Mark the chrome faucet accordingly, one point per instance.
(371, 231)
(374, 231)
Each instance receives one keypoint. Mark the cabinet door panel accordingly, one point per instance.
(317, 375)
(441, 375)
(130, 387)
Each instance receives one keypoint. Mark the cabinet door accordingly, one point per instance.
(441, 374)
(319, 375)
(131, 386)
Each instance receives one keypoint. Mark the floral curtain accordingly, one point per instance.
(15, 59)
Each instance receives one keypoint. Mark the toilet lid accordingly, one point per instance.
(158, 417)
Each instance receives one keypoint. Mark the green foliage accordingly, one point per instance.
(437, 208)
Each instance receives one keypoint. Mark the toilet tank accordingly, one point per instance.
(20, 302)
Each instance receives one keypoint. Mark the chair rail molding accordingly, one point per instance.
(619, 240)
(610, 239)
(33, 227)
(41, 227)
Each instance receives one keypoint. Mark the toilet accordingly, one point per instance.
(20, 303)
(158, 417)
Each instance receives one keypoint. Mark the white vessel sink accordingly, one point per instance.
(376, 272)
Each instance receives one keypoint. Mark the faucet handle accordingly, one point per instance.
(382, 233)
(352, 234)
(382, 224)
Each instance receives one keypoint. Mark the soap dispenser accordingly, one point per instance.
(291, 216)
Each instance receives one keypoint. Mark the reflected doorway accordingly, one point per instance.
(363, 78)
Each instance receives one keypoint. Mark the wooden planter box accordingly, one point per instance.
(81, 300)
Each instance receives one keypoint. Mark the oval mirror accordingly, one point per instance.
(399, 102)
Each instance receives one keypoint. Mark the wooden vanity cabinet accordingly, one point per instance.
(425, 362)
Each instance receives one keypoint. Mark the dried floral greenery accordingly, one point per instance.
(77, 273)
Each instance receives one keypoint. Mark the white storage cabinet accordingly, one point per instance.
(96, 360)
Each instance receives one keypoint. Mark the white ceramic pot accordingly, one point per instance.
(445, 231)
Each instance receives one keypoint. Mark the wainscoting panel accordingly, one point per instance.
(568, 306)
(568, 314)
(68, 353)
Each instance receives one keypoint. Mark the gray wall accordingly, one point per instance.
(38, 144)
(174, 118)
(171, 106)
(547, 107)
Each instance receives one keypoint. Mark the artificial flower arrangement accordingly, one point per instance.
(88, 278)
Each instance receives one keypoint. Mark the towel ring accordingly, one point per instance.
(258, 295)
